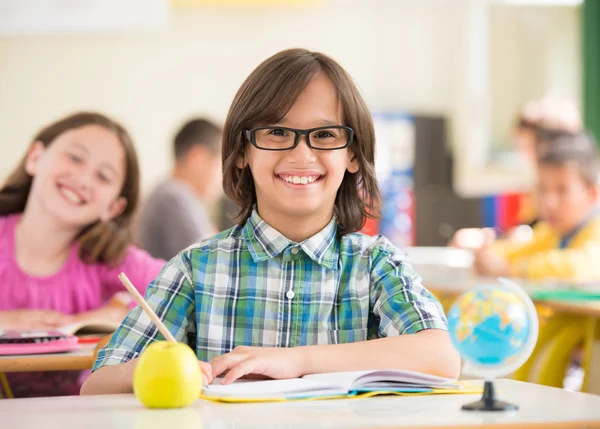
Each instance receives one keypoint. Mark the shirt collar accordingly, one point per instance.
(265, 242)
(566, 239)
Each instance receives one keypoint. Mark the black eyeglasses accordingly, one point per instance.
(282, 138)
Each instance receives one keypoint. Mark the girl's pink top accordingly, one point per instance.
(77, 287)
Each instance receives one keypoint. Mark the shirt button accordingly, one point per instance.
(290, 294)
(294, 250)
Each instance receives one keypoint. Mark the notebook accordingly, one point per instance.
(339, 384)
(62, 339)
(35, 342)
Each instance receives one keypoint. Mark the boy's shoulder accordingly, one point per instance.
(230, 237)
(356, 243)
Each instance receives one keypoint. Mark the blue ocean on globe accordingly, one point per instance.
(489, 326)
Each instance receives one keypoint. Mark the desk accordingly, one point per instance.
(76, 359)
(540, 406)
(447, 273)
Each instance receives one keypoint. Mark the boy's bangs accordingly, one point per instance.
(277, 95)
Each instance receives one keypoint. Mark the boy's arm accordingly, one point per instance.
(412, 325)
(565, 264)
(540, 258)
(171, 296)
(411, 334)
(110, 379)
(428, 351)
(506, 257)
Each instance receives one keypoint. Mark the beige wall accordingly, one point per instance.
(402, 53)
(532, 54)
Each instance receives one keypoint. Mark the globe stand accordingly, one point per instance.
(488, 401)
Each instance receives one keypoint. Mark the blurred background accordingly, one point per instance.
(445, 80)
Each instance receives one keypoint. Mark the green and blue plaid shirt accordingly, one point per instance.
(251, 286)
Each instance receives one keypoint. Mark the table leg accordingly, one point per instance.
(591, 381)
(5, 387)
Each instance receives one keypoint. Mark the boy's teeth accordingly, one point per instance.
(297, 180)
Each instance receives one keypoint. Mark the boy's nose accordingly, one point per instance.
(302, 153)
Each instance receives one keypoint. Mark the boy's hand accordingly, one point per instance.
(206, 372)
(473, 238)
(271, 362)
(488, 263)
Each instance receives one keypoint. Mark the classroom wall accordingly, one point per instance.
(531, 54)
(404, 55)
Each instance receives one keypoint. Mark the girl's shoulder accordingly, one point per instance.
(137, 264)
(134, 258)
(8, 222)
(7, 229)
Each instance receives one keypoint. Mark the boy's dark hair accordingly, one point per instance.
(560, 148)
(266, 96)
(196, 132)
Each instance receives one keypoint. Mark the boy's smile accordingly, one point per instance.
(299, 179)
(300, 185)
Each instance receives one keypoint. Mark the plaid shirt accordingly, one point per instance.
(252, 286)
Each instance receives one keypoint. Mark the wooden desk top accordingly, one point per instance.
(540, 406)
(77, 359)
(453, 287)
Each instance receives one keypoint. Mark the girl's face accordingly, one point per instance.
(319, 172)
(78, 178)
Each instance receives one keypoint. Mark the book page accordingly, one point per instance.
(89, 327)
(343, 379)
(382, 378)
(272, 388)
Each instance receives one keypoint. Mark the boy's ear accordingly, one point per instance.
(115, 209)
(240, 161)
(33, 157)
(594, 191)
(352, 162)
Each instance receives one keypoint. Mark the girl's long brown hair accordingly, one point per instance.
(103, 242)
(266, 96)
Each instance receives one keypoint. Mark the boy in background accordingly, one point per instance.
(565, 244)
(174, 215)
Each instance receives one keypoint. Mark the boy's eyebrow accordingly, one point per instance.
(323, 122)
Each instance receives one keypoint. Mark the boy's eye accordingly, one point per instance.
(324, 134)
(278, 132)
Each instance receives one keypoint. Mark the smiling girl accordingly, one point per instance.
(65, 215)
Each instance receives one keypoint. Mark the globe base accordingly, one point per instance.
(488, 401)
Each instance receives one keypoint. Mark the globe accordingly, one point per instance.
(494, 328)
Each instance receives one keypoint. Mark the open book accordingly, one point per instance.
(96, 327)
(331, 385)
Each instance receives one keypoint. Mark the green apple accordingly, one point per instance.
(167, 375)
